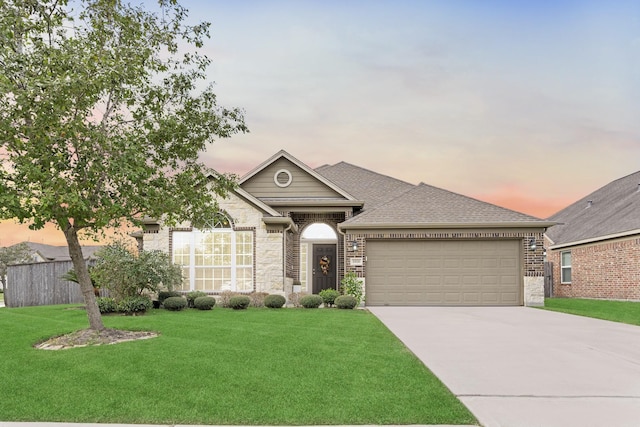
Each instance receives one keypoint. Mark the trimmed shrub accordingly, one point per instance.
(257, 298)
(107, 305)
(351, 285)
(274, 301)
(329, 296)
(346, 302)
(134, 305)
(225, 296)
(163, 295)
(204, 303)
(311, 301)
(191, 297)
(294, 298)
(175, 303)
(239, 302)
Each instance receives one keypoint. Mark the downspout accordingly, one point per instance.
(344, 253)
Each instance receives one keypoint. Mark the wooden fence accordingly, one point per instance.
(548, 279)
(40, 284)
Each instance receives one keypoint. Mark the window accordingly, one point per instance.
(215, 259)
(565, 267)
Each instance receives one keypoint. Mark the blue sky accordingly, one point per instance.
(529, 105)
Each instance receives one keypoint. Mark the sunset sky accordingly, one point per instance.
(528, 105)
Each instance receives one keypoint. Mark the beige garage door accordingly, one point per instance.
(480, 272)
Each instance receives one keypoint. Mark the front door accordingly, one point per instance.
(324, 267)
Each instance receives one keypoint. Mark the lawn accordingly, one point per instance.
(256, 366)
(617, 311)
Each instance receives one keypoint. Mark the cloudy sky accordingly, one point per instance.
(529, 105)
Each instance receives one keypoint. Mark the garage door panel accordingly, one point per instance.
(443, 272)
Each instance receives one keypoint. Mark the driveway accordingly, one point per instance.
(518, 366)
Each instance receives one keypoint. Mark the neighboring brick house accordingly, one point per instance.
(595, 248)
(410, 244)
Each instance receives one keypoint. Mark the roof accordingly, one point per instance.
(614, 211)
(59, 253)
(373, 188)
(427, 206)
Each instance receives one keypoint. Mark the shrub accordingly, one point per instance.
(107, 305)
(274, 301)
(294, 298)
(175, 303)
(191, 297)
(329, 296)
(163, 295)
(257, 298)
(204, 303)
(239, 302)
(225, 296)
(134, 305)
(346, 302)
(127, 273)
(311, 301)
(351, 285)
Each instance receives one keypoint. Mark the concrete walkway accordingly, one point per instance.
(525, 367)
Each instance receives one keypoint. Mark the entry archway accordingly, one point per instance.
(318, 258)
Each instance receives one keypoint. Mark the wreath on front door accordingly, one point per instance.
(325, 262)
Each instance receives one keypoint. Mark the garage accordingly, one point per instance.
(443, 272)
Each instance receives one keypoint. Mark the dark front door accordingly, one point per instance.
(324, 267)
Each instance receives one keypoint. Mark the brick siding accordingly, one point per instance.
(607, 270)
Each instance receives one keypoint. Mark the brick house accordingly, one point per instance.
(410, 244)
(595, 248)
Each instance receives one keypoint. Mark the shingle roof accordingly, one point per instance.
(614, 209)
(426, 205)
(59, 253)
(373, 188)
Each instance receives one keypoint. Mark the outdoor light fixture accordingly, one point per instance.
(532, 244)
(354, 245)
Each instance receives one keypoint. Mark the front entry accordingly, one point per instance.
(324, 267)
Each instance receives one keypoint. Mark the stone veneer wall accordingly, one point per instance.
(532, 262)
(604, 270)
(267, 248)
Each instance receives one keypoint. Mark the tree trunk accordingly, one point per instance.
(80, 266)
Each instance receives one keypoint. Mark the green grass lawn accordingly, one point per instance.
(257, 366)
(617, 311)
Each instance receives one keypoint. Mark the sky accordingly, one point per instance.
(530, 105)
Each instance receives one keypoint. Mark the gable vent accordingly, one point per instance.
(282, 178)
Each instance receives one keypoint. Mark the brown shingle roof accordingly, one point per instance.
(373, 188)
(425, 205)
(614, 209)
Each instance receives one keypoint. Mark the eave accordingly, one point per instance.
(443, 225)
(281, 221)
(596, 239)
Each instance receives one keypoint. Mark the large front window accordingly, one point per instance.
(215, 259)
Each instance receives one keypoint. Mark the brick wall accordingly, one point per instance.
(606, 270)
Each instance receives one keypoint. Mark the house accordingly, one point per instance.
(41, 252)
(595, 248)
(410, 244)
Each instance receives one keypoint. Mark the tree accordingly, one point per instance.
(12, 255)
(103, 117)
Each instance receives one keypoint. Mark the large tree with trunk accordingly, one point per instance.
(104, 111)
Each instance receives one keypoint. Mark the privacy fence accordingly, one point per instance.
(40, 283)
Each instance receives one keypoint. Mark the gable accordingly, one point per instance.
(271, 182)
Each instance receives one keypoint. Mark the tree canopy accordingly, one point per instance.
(105, 108)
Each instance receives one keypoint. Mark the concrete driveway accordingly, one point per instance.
(518, 366)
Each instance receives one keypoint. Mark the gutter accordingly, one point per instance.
(596, 239)
(441, 225)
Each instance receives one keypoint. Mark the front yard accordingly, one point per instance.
(616, 311)
(256, 366)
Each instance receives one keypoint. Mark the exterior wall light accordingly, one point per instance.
(354, 245)
(532, 244)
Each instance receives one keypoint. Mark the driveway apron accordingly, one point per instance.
(524, 367)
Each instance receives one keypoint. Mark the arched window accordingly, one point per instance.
(215, 257)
